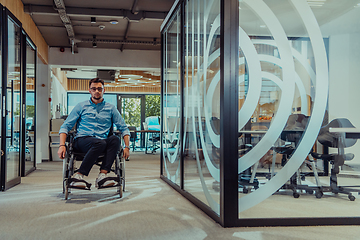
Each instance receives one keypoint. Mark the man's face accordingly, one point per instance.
(94, 91)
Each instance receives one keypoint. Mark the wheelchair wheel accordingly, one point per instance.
(66, 189)
(119, 170)
(68, 171)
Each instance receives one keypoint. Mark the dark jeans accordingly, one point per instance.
(94, 147)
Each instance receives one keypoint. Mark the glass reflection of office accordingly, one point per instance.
(30, 135)
(305, 103)
(13, 102)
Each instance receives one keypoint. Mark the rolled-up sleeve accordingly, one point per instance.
(119, 122)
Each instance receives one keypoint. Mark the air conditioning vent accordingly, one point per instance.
(106, 75)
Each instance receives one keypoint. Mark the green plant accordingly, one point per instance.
(152, 106)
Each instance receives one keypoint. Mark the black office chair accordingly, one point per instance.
(292, 135)
(245, 181)
(336, 140)
(69, 166)
(133, 137)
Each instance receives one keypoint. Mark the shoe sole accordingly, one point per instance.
(79, 186)
(110, 184)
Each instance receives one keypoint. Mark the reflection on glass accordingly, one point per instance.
(30, 108)
(202, 102)
(13, 102)
(284, 104)
(171, 101)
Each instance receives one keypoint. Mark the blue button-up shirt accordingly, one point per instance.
(94, 120)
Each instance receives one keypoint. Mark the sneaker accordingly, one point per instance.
(102, 182)
(80, 184)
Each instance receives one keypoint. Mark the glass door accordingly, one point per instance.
(28, 163)
(2, 101)
(11, 103)
(131, 108)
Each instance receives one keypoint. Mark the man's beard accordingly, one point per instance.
(97, 98)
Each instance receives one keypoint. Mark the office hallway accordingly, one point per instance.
(150, 209)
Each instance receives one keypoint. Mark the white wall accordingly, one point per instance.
(344, 69)
(58, 96)
(42, 111)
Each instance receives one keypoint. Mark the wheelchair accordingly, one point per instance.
(69, 167)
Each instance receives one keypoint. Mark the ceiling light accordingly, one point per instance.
(101, 26)
(114, 22)
(316, 3)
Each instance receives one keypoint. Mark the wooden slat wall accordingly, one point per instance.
(83, 85)
(16, 7)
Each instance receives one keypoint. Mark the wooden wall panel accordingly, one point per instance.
(16, 7)
(82, 85)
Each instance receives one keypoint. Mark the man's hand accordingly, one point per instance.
(126, 153)
(61, 152)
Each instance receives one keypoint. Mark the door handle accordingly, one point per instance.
(2, 153)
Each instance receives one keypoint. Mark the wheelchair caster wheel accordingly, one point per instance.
(309, 191)
(351, 197)
(66, 193)
(296, 195)
(245, 190)
(121, 192)
(318, 194)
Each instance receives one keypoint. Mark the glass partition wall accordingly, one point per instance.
(264, 93)
(11, 103)
(18, 60)
(28, 156)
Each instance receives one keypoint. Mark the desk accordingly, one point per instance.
(349, 132)
(146, 132)
(252, 132)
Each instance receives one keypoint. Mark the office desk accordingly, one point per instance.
(146, 132)
(349, 132)
(241, 132)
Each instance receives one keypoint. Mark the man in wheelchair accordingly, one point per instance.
(94, 120)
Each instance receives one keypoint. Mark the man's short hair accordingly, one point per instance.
(96, 80)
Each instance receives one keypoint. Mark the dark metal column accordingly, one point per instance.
(229, 113)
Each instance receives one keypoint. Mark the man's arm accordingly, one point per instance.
(62, 147)
(127, 143)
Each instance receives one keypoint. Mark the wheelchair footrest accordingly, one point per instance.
(87, 187)
(116, 179)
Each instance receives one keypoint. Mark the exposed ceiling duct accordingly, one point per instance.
(59, 6)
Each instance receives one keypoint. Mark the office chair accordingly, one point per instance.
(336, 140)
(292, 134)
(133, 136)
(153, 123)
(246, 179)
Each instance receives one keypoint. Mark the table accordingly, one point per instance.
(349, 132)
(146, 132)
(241, 132)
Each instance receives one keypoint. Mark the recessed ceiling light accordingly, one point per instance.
(263, 26)
(114, 22)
